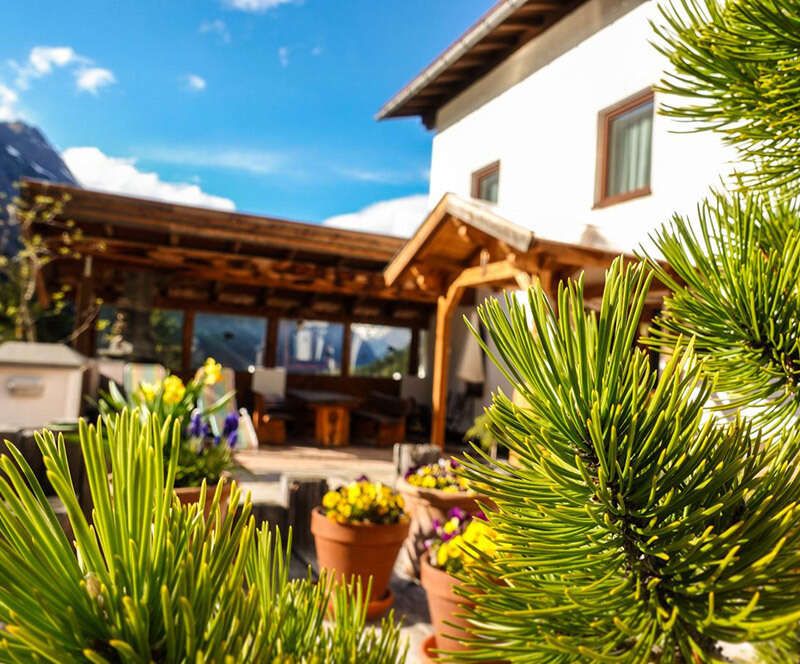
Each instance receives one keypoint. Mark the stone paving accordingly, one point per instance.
(264, 473)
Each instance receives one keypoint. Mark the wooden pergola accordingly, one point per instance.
(465, 244)
(225, 262)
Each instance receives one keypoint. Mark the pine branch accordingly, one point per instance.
(634, 528)
(735, 71)
(735, 292)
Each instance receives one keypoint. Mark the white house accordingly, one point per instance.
(546, 110)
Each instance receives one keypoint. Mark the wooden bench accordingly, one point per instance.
(381, 420)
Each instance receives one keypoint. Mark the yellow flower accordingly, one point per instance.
(212, 371)
(174, 389)
(330, 500)
(147, 390)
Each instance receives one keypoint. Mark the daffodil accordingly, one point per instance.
(212, 371)
(173, 389)
(147, 391)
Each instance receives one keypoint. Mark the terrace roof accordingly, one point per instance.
(217, 259)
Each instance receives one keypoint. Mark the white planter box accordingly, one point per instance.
(39, 384)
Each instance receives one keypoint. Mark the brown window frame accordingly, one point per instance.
(604, 120)
(482, 174)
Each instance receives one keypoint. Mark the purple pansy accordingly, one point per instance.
(230, 429)
(198, 428)
(458, 513)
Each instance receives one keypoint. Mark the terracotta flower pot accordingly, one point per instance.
(189, 495)
(363, 550)
(424, 506)
(445, 607)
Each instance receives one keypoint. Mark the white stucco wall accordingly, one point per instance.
(538, 114)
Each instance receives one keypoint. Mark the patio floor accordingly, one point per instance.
(265, 473)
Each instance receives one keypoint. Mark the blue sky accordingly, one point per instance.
(265, 103)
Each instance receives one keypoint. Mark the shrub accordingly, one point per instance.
(636, 527)
(151, 580)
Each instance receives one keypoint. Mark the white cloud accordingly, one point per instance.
(259, 6)
(396, 216)
(8, 104)
(41, 61)
(259, 162)
(379, 176)
(283, 56)
(91, 79)
(194, 83)
(216, 27)
(317, 50)
(96, 170)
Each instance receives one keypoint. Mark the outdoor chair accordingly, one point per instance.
(270, 413)
(135, 373)
(381, 420)
(246, 438)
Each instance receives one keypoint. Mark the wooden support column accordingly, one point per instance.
(501, 271)
(271, 343)
(188, 336)
(347, 341)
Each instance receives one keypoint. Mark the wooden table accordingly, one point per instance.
(332, 415)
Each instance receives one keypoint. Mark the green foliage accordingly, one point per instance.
(635, 528)
(733, 276)
(736, 69)
(150, 580)
(393, 362)
(201, 457)
(481, 432)
(22, 301)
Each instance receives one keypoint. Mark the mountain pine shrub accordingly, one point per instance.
(150, 580)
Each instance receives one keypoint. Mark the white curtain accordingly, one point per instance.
(630, 139)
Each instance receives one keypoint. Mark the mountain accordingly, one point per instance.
(25, 152)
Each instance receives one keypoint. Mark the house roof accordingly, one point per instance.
(505, 28)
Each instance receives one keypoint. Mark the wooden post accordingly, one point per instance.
(347, 340)
(441, 365)
(271, 343)
(499, 272)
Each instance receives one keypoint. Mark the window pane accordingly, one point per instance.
(629, 142)
(310, 346)
(167, 328)
(488, 186)
(233, 341)
(379, 350)
(153, 336)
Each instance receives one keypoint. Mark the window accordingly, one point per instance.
(155, 335)
(310, 346)
(233, 341)
(486, 183)
(379, 350)
(625, 133)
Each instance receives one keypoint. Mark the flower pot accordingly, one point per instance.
(363, 550)
(424, 506)
(445, 607)
(189, 495)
